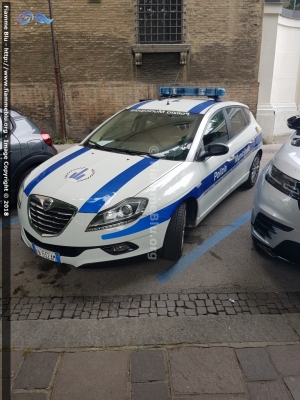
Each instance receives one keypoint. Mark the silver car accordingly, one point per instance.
(29, 147)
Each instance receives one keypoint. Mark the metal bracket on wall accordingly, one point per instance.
(139, 49)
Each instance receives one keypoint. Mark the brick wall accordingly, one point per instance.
(98, 71)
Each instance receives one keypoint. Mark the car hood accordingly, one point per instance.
(94, 180)
(287, 158)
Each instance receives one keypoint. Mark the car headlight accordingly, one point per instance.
(282, 182)
(123, 213)
(20, 195)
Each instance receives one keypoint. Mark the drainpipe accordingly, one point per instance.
(58, 80)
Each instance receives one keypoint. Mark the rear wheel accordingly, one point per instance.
(253, 172)
(173, 243)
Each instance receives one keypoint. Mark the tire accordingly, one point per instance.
(173, 243)
(21, 180)
(253, 172)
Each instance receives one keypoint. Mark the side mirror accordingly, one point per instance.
(213, 149)
(294, 123)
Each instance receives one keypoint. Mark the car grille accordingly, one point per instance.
(264, 226)
(51, 220)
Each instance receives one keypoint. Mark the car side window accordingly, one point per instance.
(237, 120)
(216, 130)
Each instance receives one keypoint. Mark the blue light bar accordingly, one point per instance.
(165, 91)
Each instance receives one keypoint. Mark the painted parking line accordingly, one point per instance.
(10, 222)
(193, 255)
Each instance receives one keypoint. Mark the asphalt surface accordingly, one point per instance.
(231, 266)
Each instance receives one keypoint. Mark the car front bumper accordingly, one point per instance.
(275, 222)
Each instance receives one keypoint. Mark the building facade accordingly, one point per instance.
(113, 54)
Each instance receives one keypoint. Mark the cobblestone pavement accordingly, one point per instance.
(188, 372)
(144, 306)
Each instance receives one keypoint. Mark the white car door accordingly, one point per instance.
(242, 133)
(216, 170)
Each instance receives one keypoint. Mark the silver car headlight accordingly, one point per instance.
(123, 213)
(282, 182)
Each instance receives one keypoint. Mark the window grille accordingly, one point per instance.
(159, 21)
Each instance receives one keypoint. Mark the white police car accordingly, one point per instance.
(137, 180)
(276, 209)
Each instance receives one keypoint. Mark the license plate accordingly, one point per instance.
(49, 255)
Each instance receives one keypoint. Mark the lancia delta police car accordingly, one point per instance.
(276, 208)
(134, 184)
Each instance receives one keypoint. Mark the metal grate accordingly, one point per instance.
(53, 221)
(159, 21)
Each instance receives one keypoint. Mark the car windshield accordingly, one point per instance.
(159, 134)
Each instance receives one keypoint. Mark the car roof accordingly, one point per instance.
(14, 112)
(191, 106)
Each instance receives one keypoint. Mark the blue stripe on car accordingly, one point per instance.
(99, 198)
(138, 105)
(52, 168)
(201, 107)
(207, 184)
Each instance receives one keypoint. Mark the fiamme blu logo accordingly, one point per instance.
(28, 16)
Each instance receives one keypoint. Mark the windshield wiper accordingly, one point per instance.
(126, 151)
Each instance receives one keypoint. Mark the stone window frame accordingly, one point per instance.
(140, 48)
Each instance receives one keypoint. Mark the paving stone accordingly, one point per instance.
(150, 391)
(268, 391)
(48, 306)
(112, 314)
(33, 316)
(217, 302)
(92, 375)
(293, 383)
(22, 317)
(123, 312)
(180, 310)
(211, 310)
(209, 303)
(238, 309)
(171, 309)
(68, 313)
(24, 300)
(152, 303)
(233, 296)
(148, 365)
(252, 296)
(143, 310)
(162, 311)
(171, 303)
(201, 310)
(286, 359)
(107, 299)
(145, 304)
(190, 312)
(34, 300)
(256, 364)
(222, 296)
(227, 303)
(230, 311)
(56, 300)
(135, 304)
(180, 303)
(136, 298)
(161, 304)
(67, 299)
(261, 296)
(134, 313)
(190, 304)
(14, 317)
(184, 297)
(202, 296)
(254, 310)
(273, 311)
(103, 314)
(261, 302)
(125, 304)
(200, 303)
(243, 296)
(59, 306)
(216, 366)
(29, 396)
(25, 311)
(153, 314)
(144, 316)
(70, 306)
(154, 297)
(172, 314)
(146, 297)
(245, 308)
(55, 314)
(264, 309)
(163, 297)
(292, 310)
(36, 308)
(114, 306)
(220, 308)
(192, 297)
(172, 296)
(43, 365)
(212, 296)
(153, 309)
(118, 299)
(104, 306)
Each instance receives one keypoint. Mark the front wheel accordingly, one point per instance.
(173, 243)
(253, 172)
